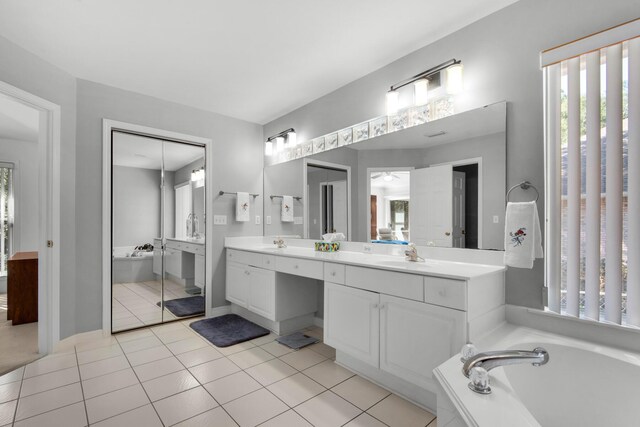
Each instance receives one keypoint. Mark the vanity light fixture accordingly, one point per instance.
(289, 134)
(454, 82)
(197, 174)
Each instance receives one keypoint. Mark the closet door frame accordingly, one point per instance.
(109, 126)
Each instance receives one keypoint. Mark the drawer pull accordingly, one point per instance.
(375, 305)
(333, 273)
(383, 306)
(442, 293)
(295, 266)
(267, 262)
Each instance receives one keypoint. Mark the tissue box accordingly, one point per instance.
(327, 246)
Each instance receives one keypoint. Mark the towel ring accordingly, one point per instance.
(525, 185)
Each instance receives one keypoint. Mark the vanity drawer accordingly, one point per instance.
(268, 262)
(445, 292)
(244, 257)
(410, 286)
(334, 273)
(300, 267)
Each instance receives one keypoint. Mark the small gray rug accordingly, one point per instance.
(297, 340)
(183, 307)
(230, 329)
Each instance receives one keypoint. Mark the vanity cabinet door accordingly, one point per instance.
(352, 321)
(199, 270)
(262, 292)
(237, 284)
(416, 337)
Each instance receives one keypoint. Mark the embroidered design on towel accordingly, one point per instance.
(286, 208)
(245, 206)
(518, 237)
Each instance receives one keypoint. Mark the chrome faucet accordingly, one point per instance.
(279, 242)
(493, 359)
(412, 254)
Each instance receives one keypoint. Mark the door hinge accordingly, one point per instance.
(49, 243)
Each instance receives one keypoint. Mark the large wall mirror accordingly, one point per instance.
(437, 184)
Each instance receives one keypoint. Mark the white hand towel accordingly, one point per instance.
(287, 209)
(242, 207)
(522, 237)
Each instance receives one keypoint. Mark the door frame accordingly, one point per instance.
(465, 162)
(319, 163)
(368, 201)
(49, 132)
(112, 125)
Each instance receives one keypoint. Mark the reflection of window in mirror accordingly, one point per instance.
(389, 205)
(183, 209)
(400, 218)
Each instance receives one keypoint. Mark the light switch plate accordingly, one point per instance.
(257, 219)
(219, 220)
(496, 219)
(267, 220)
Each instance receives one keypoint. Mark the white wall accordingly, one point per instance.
(500, 54)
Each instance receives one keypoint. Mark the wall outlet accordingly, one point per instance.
(367, 248)
(257, 219)
(219, 220)
(297, 220)
(267, 220)
(496, 219)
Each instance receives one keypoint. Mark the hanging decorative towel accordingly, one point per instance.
(287, 209)
(522, 237)
(242, 207)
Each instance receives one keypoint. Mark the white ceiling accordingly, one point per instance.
(142, 152)
(18, 121)
(398, 185)
(251, 59)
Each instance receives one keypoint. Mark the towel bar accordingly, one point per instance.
(525, 185)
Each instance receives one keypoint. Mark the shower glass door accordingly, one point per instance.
(157, 268)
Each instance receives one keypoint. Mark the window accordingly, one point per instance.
(6, 214)
(592, 133)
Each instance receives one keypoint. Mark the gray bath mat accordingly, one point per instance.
(227, 330)
(297, 340)
(182, 307)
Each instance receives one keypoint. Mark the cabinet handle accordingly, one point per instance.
(447, 234)
(295, 266)
(442, 293)
(333, 273)
(375, 305)
(383, 306)
(246, 272)
(267, 262)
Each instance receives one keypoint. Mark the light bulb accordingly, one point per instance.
(292, 139)
(279, 144)
(420, 91)
(454, 79)
(392, 102)
(268, 148)
(194, 175)
(387, 177)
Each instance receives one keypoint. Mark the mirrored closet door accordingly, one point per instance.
(158, 232)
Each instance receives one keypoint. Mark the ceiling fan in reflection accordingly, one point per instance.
(386, 176)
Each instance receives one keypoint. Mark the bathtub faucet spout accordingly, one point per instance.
(493, 359)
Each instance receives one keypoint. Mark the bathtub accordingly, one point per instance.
(127, 269)
(583, 384)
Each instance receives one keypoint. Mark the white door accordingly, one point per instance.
(352, 322)
(237, 283)
(262, 292)
(183, 209)
(457, 231)
(431, 213)
(340, 222)
(416, 337)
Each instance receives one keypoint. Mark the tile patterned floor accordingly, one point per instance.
(168, 375)
(134, 304)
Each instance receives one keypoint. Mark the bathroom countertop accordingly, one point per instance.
(193, 242)
(431, 267)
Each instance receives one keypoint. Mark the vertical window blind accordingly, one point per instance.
(592, 160)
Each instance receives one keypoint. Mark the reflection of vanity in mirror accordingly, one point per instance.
(158, 232)
(441, 183)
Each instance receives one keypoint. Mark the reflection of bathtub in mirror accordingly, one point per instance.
(128, 268)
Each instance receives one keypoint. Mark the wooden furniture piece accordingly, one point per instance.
(22, 288)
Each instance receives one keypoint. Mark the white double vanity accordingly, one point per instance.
(390, 320)
(184, 260)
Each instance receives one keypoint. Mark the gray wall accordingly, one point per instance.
(26, 71)
(136, 206)
(500, 54)
(283, 179)
(237, 166)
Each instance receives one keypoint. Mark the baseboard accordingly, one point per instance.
(319, 322)
(220, 311)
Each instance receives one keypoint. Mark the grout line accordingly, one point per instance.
(15, 410)
(84, 402)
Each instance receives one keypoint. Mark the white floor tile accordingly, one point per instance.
(9, 392)
(95, 343)
(141, 344)
(232, 386)
(277, 349)
(99, 353)
(144, 416)
(269, 372)
(148, 355)
(116, 402)
(15, 375)
(360, 392)
(169, 336)
(235, 348)
(7, 410)
(365, 420)
(264, 340)
(397, 412)
(248, 358)
(48, 381)
(214, 418)
(69, 416)
(303, 359)
(288, 419)
(323, 349)
(182, 346)
(263, 404)
(103, 367)
(213, 370)
(49, 364)
(46, 401)
(170, 384)
(108, 383)
(156, 369)
(296, 389)
(187, 404)
(199, 356)
(133, 335)
(328, 373)
(328, 410)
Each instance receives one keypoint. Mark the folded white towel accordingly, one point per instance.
(522, 237)
(242, 207)
(287, 209)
